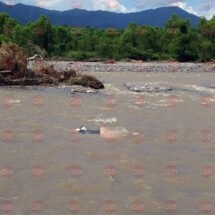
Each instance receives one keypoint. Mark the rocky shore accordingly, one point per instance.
(15, 70)
(137, 66)
(147, 87)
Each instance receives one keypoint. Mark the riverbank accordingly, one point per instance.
(135, 66)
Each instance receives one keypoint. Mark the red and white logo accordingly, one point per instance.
(170, 206)
(6, 207)
(206, 136)
(111, 102)
(38, 171)
(7, 101)
(138, 171)
(38, 100)
(171, 136)
(39, 65)
(76, 3)
(138, 136)
(207, 101)
(139, 101)
(75, 101)
(74, 206)
(9, 2)
(37, 136)
(75, 171)
(205, 206)
(110, 171)
(174, 67)
(171, 170)
(6, 135)
(109, 206)
(37, 206)
(207, 171)
(40, 3)
(172, 101)
(110, 136)
(74, 137)
(112, 4)
(7, 171)
(137, 206)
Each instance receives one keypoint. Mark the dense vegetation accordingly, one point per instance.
(177, 40)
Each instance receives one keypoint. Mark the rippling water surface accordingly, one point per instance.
(168, 167)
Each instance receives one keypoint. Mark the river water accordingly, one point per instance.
(164, 165)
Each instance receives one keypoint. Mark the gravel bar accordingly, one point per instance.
(136, 67)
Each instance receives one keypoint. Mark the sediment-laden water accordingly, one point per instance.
(165, 165)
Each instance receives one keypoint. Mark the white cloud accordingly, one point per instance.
(184, 6)
(109, 5)
(106, 5)
(207, 8)
(47, 4)
(9, 2)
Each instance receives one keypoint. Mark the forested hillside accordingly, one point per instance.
(96, 19)
(177, 40)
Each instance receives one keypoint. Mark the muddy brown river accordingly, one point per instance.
(165, 165)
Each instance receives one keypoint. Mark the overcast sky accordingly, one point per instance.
(199, 7)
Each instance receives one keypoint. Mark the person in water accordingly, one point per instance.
(104, 132)
(84, 130)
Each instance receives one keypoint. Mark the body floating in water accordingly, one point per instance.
(84, 130)
(104, 132)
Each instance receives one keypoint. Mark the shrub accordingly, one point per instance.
(12, 57)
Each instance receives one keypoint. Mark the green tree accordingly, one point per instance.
(42, 33)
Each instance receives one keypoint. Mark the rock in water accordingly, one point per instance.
(147, 87)
(87, 81)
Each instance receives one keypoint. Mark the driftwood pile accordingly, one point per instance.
(14, 71)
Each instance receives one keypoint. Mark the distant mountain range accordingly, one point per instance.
(97, 19)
